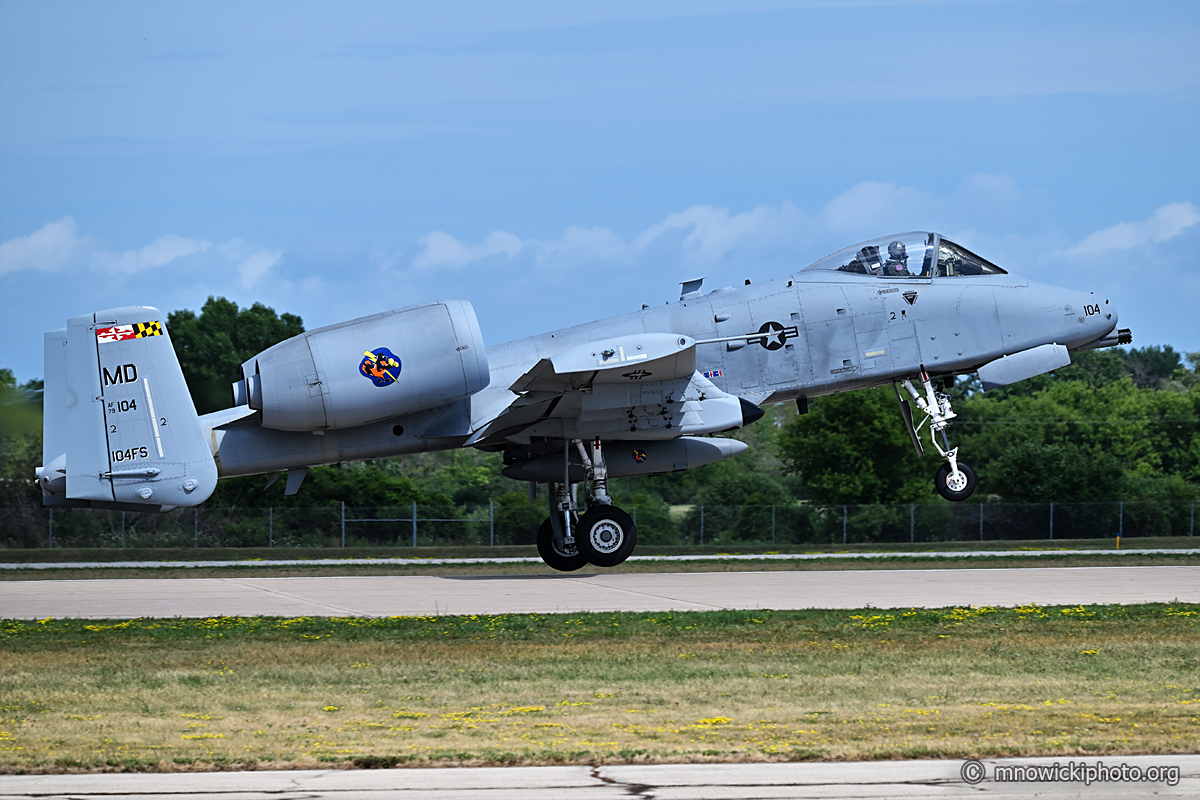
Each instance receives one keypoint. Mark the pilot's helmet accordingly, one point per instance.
(897, 252)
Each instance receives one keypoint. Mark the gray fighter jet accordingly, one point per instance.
(638, 394)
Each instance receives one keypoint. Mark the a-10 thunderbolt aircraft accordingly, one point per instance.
(637, 394)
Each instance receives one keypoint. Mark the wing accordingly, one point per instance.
(637, 387)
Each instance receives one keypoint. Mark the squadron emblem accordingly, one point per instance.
(381, 366)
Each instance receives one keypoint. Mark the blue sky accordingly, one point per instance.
(555, 163)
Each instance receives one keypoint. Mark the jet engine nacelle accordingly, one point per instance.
(368, 369)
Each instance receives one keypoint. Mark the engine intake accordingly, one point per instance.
(368, 369)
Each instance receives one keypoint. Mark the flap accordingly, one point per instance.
(635, 357)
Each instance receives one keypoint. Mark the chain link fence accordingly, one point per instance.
(495, 525)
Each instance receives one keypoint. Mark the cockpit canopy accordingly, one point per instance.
(908, 255)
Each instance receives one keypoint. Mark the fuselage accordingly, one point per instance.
(815, 332)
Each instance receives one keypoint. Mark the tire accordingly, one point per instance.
(563, 561)
(606, 536)
(958, 493)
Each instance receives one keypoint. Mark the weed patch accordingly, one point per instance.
(261, 693)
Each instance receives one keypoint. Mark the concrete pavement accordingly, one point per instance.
(434, 595)
(876, 779)
(250, 565)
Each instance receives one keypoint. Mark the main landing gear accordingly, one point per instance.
(605, 535)
(954, 480)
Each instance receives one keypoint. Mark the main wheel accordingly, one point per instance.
(955, 488)
(606, 535)
(563, 560)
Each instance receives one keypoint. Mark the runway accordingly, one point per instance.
(434, 595)
(1177, 776)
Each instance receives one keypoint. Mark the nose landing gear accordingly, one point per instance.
(954, 480)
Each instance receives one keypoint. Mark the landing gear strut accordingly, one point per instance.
(605, 535)
(555, 541)
(954, 480)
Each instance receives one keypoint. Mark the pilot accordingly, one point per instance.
(897, 263)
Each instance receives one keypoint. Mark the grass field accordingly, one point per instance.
(589, 688)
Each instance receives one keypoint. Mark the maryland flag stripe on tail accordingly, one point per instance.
(138, 330)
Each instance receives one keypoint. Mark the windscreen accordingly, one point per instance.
(954, 260)
(903, 255)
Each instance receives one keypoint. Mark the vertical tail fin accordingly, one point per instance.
(120, 428)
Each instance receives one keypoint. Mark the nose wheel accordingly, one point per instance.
(954, 486)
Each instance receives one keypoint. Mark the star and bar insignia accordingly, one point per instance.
(119, 333)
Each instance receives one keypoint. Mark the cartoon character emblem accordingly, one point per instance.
(381, 366)
(639, 456)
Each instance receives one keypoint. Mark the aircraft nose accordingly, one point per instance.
(1109, 312)
(1099, 315)
(1099, 322)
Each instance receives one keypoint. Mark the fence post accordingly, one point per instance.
(122, 530)
(1191, 528)
(1052, 520)
(911, 530)
(981, 522)
(414, 523)
(701, 525)
(343, 524)
(843, 524)
(196, 527)
(492, 524)
(772, 526)
(1120, 518)
(51, 545)
(270, 526)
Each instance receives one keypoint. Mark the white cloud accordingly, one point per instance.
(51, 248)
(880, 206)
(58, 247)
(982, 212)
(250, 260)
(585, 243)
(712, 233)
(1165, 223)
(443, 250)
(700, 234)
(159, 253)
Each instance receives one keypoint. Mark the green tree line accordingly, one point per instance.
(1115, 424)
